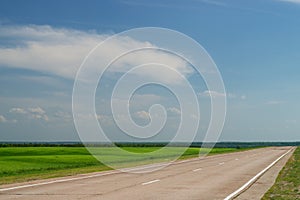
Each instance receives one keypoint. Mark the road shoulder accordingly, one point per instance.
(265, 182)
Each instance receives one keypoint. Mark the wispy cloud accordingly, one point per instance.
(33, 112)
(61, 51)
(172, 4)
(213, 94)
(273, 102)
(214, 2)
(243, 97)
(65, 116)
(142, 115)
(105, 119)
(195, 5)
(18, 110)
(174, 110)
(2, 119)
(209, 93)
(291, 1)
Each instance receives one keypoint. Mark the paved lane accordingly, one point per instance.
(213, 177)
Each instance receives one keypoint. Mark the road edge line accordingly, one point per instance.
(255, 178)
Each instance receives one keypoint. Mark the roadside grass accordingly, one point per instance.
(287, 185)
(19, 164)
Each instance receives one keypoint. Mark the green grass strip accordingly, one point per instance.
(287, 184)
(19, 164)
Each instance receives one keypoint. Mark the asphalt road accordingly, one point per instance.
(212, 177)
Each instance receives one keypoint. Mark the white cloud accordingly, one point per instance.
(142, 115)
(38, 113)
(105, 119)
(208, 93)
(59, 94)
(174, 110)
(169, 4)
(63, 116)
(42, 48)
(37, 110)
(291, 1)
(18, 110)
(34, 112)
(61, 51)
(2, 119)
(214, 94)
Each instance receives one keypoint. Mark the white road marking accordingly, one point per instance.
(221, 163)
(252, 180)
(195, 170)
(236, 159)
(154, 181)
(58, 181)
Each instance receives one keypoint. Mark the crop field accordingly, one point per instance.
(18, 164)
(287, 185)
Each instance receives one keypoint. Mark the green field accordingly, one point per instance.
(287, 185)
(19, 164)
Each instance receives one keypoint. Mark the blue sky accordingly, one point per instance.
(255, 44)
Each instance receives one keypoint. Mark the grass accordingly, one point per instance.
(287, 185)
(18, 164)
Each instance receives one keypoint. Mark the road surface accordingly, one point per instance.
(212, 177)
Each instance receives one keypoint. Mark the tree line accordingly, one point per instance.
(149, 144)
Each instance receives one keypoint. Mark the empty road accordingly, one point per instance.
(212, 177)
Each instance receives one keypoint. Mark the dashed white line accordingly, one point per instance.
(221, 163)
(252, 180)
(236, 159)
(195, 170)
(154, 181)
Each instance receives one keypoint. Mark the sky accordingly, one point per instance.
(254, 44)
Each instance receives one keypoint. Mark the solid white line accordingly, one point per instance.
(57, 181)
(154, 181)
(252, 180)
(195, 170)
